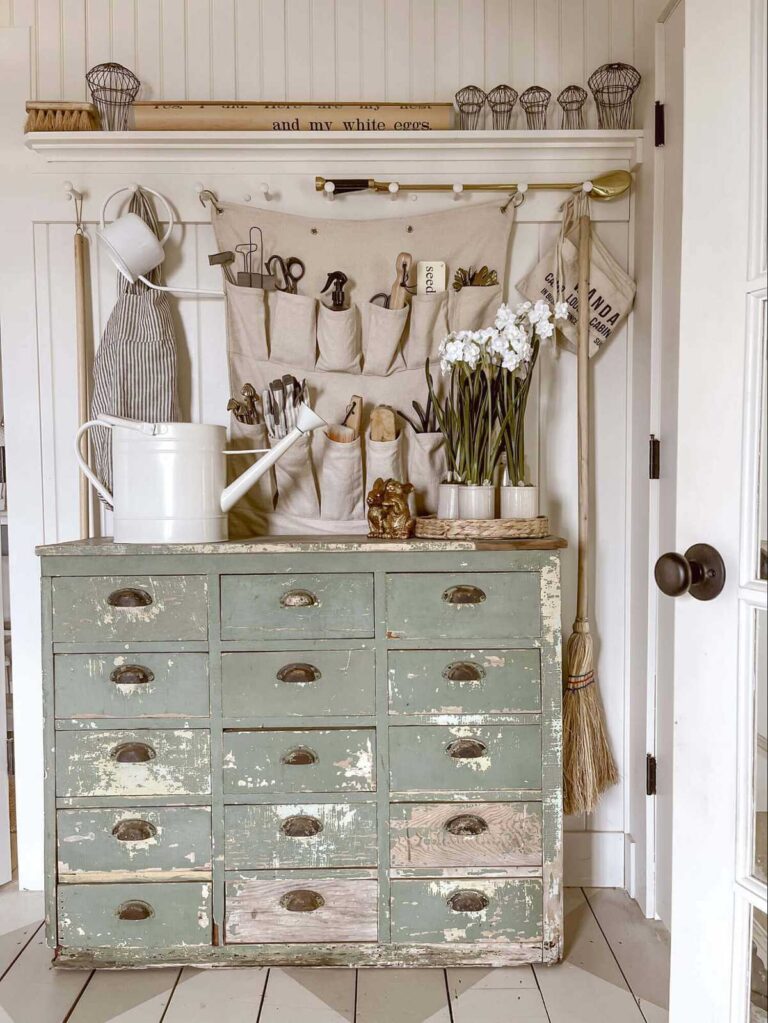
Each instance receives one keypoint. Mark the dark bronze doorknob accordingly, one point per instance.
(700, 572)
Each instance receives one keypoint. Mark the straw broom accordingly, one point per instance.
(588, 766)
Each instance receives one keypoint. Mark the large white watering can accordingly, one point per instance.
(169, 479)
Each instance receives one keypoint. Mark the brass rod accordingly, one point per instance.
(604, 186)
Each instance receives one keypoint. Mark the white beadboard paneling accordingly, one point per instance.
(298, 50)
(623, 31)
(571, 58)
(274, 51)
(174, 49)
(223, 50)
(373, 50)
(324, 56)
(472, 57)
(398, 49)
(423, 50)
(349, 57)
(547, 45)
(124, 41)
(49, 49)
(498, 42)
(98, 15)
(148, 48)
(523, 47)
(248, 50)
(448, 69)
(199, 49)
(24, 13)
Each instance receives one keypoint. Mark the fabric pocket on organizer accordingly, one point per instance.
(292, 329)
(473, 308)
(341, 480)
(383, 460)
(427, 467)
(338, 340)
(382, 334)
(429, 325)
(244, 520)
(295, 478)
(247, 330)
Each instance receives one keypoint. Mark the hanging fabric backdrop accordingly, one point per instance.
(377, 353)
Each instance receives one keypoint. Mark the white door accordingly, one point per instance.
(716, 884)
(668, 177)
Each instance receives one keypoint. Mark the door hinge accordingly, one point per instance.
(660, 125)
(650, 774)
(654, 458)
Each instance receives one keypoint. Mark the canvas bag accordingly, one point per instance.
(555, 278)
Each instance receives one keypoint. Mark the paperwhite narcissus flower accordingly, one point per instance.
(561, 310)
(508, 343)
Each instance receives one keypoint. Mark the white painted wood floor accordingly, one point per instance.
(616, 970)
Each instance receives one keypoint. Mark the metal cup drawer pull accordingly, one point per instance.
(132, 675)
(301, 826)
(463, 671)
(299, 756)
(133, 753)
(131, 596)
(302, 900)
(466, 825)
(299, 598)
(134, 830)
(135, 910)
(468, 901)
(300, 672)
(464, 594)
(466, 749)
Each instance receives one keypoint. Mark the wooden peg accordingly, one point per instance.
(383, 423)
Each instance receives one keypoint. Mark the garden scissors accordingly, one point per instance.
(287, 272)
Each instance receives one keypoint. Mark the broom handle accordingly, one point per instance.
(82, 370)
(582, 362)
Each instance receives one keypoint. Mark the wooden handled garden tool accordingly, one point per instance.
(81, 319)
(588, 766)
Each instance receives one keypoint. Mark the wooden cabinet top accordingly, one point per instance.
(298, 544)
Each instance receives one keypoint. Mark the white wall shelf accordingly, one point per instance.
(625, 148)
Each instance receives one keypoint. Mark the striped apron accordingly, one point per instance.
(134, 370)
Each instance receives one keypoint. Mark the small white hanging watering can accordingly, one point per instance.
(169, 479)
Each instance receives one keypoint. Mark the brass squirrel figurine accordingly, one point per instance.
(389, 516)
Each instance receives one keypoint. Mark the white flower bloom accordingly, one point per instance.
(522, 308)
(545, 329)
(561, 310)
(504, 317)
(510, 360)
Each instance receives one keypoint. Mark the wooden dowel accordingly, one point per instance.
(582, 362)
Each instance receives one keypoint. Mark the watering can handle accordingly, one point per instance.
(84, 467)
(132, 188)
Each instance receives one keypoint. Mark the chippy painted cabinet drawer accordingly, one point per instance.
(286, 752)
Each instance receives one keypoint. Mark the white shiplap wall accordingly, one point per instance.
(321, 49)
(335, 49)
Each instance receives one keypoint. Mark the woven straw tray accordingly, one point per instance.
(429, 527)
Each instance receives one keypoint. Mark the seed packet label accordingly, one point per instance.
(430, 277)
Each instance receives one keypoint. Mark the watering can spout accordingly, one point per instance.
(306, 421)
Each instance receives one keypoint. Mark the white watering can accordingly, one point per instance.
(169, 479)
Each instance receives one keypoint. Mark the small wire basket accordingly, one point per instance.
(613, 86)
(113, 88)
(534, 102)
(572, 100)
(470, 102)
(502, 101)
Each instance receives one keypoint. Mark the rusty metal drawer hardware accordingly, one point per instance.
(299, 756)
(299, 598)
(131, 675)
(134, 830)
(133, 753)
(131, 596)
(467, 900)
(464, 671)
(135, 910)
(299, 672)
(302, 900)
(466, 825)
(464, 595)
(301, 826)
(466, 749)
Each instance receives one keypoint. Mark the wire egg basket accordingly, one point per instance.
(470, 102)
(113, 88)
(613, 86)
(502, 101)
(572, 100)
(534, 102)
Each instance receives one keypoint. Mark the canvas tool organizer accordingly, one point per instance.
(365, 349)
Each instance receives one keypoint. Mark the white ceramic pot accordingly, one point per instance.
(519, 502)
(477, 502)
(448, 500)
